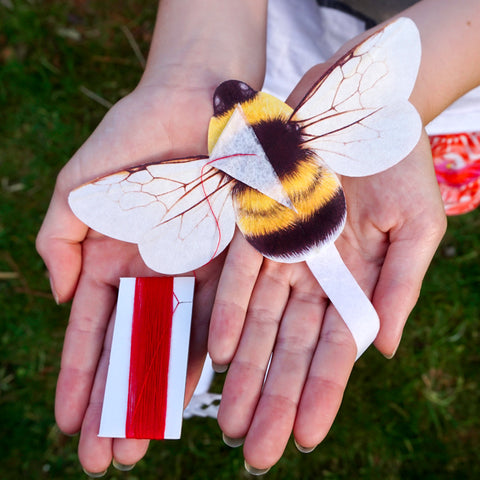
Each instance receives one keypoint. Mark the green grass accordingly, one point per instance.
(416, 416)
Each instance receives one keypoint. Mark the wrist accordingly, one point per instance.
(450, 37)
(199, 44)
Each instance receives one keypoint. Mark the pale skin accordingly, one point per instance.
(256, 298)
(166, 116)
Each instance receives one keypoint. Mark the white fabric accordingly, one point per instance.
(297, 39)
(461, 116)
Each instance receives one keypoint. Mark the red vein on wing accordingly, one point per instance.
(217, 223)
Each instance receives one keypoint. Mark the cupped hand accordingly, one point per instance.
(289, 352)
(396, 221)
(152, 123)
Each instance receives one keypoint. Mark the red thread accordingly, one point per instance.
(217, 223)
(149, 357)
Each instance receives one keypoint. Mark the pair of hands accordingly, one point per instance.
(245, 307)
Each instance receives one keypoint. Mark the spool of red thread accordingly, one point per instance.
(145, 387)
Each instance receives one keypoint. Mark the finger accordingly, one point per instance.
(297, 339)
(84, 337)
(245, 377)
(95, 453)
(59, 244)
(205, 287)
(128, 451)
(237, 280)
(413, 243)
(401, 277)
(327, 378)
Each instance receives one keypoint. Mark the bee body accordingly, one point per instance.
(319, 209)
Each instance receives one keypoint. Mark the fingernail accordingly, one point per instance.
(304, 449)
(255, 471)
(95, 475)
(389, 357)
(233, 442)
(219, 368)
(54, 292)
(122, 467)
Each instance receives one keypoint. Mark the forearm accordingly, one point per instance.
(208, 41)
(450, 66)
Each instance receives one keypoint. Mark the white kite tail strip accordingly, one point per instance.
(145, 389)
(355, 308)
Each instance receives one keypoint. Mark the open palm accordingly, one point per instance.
(271, 317)
(150, 124)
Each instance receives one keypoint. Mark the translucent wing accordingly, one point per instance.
(179, 212)
(357, 117)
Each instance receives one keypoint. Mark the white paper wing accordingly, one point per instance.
(179, 211)
(357, 118)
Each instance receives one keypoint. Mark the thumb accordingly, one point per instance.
(59, 244)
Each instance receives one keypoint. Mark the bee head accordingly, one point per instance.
(228, 94)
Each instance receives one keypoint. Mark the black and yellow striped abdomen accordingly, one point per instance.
(282, 233)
